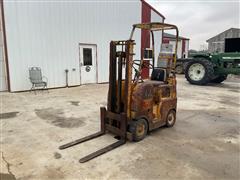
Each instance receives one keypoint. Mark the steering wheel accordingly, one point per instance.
(144, 65)
(136, 69)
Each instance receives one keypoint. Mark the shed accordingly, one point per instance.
(217, 43)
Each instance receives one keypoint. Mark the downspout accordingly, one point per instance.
(66, 71)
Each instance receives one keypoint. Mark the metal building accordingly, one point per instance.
(216, 43)
(183, 44)
(59, 36)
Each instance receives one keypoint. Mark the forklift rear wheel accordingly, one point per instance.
(138, 129)
(171, 118)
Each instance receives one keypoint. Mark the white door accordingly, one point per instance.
(88, 64)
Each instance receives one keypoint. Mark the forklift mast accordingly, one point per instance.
(119, 86)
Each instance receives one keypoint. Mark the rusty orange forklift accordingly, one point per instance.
(136, 106)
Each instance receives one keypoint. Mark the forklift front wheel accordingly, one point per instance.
(138, 129)
(171, 118)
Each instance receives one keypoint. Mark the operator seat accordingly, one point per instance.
(159, 74)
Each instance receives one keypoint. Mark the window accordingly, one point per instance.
(148, 54)
(87, 56)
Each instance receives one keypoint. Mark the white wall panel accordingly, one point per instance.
(3, 73)
(3, 70)
(47, 34)
(179, 48)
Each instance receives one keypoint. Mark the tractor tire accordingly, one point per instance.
(179, 69)
(171, 118)
(139, 129)
(199, 71)
(219, 79)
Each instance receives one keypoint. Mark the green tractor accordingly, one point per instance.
(207, 68)
(214, 68)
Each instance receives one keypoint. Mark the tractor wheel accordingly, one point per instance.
(171, 118)
(219, 79)
(199, 71)
(139, 129)
(179, 69)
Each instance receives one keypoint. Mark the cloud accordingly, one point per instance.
(200, 20)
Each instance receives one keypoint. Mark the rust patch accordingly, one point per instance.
(58, 118)
(53, 173)
(234, 90)
(229, 101)
(7, 176)
(75, 103)
(57, 155)
(8, 115)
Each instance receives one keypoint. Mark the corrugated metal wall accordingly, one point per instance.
(47, 34)
(3, 71)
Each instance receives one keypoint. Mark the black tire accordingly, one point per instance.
(179, 69)
(208, 72)
(219, 79)
(134, 128)
(171, 118)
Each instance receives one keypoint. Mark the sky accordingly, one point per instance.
(200, 20)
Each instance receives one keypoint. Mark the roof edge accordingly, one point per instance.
(178, 38)
(221, 33)
(152, 8)
(170, 36)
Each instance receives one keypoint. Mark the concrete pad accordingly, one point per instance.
(203, 144)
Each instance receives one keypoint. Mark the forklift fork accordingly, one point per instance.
(102, 151)
(114, 119)
(104, 126)
(78, 141)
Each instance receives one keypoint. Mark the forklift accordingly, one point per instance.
(136, 105)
